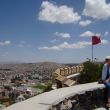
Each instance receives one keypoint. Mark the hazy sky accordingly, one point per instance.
(53, 30)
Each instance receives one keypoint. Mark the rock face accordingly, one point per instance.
(90, 100)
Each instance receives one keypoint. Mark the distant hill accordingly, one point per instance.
(44, 69)
(30, 66)
(71, 64)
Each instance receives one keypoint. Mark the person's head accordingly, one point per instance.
(107, 60)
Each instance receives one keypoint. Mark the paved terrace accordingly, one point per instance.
(46, 100)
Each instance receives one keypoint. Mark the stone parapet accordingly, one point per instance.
(50, 100)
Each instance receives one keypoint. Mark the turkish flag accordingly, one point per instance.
(95, 40)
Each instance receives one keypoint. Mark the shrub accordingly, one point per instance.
(45, 87)
(91, 72)
(48, 86)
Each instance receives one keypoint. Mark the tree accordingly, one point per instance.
(91, 72)
(45, 87)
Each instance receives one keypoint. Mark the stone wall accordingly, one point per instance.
(89, 100)
(79, 97)
(66, 77)
(68, 71)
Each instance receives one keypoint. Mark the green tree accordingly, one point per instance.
(91, 72)
(48, 86)
(45, 87)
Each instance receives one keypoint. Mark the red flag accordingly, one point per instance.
(95, 40)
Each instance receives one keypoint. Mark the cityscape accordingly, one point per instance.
(53, 54)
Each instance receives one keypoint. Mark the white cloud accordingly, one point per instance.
(106, 33)
(66, 45)
(4, 43)
(49, 48)
(23, 44)
(77, 45)
(103, 41)
(53, 41)
(89, 34)
(85, 23)
(97, 9)
(50, 12)
(62, 35)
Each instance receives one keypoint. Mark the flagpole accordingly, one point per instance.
(92, 52)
